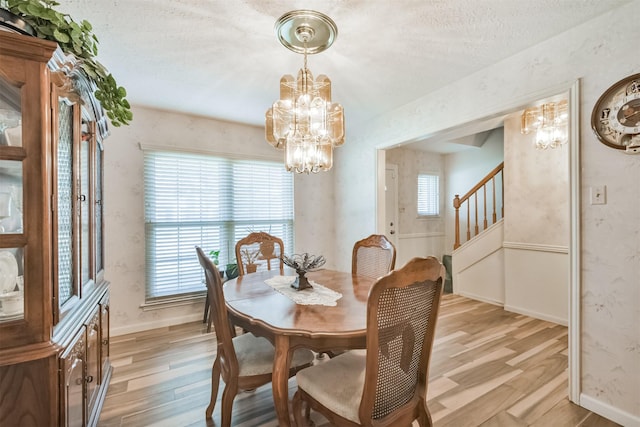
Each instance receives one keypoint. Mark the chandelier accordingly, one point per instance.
(304, 121)
(549, 121)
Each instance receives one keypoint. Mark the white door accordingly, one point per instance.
(391, 204)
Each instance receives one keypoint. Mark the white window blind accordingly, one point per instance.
(428, 195)
(212, 202)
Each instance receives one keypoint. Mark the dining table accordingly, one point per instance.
(267, 311)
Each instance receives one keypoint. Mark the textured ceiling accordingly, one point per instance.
(221, 58)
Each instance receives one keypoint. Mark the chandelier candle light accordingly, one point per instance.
(304, 121)
(550, 123)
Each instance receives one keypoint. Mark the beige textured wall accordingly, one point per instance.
(124, 205)
(536, 189)
(597, 53)
(410, 164)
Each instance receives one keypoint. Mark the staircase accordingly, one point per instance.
(477, 261)
(475, 203)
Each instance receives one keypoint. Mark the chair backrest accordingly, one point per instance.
(401, 318)
(218, 308)
(373, 256)
(260, 249)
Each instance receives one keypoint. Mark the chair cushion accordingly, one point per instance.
(255, 355)
(337, 383)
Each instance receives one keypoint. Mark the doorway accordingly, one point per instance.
(479, 125)
(391, 203)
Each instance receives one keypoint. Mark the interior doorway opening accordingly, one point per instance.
(491, 121)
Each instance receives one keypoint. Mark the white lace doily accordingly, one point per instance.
(317, 295)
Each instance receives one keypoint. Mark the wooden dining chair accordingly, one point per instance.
(373, 256)
(386, 385)
(245, 362)
(257, 251)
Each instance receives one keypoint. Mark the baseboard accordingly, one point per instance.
(139, 327)
(604, 409)
(479, 298)
(537, 315)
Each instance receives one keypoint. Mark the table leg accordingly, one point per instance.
(280, 380)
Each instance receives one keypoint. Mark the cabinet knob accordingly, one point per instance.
(105, 341)
(78, 381)
(89, 378)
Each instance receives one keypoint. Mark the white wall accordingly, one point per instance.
(478, 267)
(537, 282)
(124, 205)
(597, 53)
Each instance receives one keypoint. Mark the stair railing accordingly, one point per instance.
(472, 196)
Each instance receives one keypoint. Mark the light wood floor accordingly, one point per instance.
(489, 368)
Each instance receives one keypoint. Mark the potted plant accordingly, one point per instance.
(215, 258)
(231, 270)
(76, 39)
(249, 258)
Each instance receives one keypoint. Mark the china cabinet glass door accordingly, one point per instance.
(11, 204)
(65, 213)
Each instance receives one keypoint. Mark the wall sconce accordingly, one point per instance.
(549, 121)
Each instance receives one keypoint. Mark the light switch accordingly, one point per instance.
(599, 195)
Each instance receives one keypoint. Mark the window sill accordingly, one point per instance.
(172, 302)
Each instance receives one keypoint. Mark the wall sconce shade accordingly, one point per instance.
(304, 121)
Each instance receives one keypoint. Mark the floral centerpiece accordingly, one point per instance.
(303, 263)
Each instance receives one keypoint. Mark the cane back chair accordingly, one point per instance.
(373, 256)
(386, 385)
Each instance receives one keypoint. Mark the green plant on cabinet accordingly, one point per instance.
(77, 39)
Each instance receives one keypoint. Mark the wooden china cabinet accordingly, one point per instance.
(54, 300)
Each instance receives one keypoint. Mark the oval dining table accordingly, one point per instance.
(257, 307)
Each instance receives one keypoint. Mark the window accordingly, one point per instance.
(212, 202)
(428, 195)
